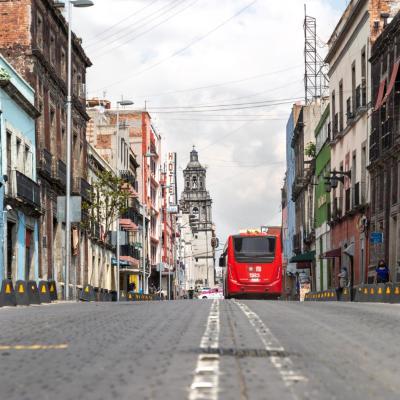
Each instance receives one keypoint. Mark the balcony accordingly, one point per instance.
(129, 250)
(336, 208)
(82, 188)
(130, 179)
(361, 97)
(132, 214)
(24, 189)
(45, 166)
(60, 173)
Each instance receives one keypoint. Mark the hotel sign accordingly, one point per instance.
(172, 199)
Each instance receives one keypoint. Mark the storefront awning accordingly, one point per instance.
(335, 253)
(308, 256)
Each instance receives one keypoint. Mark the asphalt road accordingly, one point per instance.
(200, 349)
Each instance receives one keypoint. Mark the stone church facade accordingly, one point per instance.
(197, 203)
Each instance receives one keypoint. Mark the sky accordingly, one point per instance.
(241, 61)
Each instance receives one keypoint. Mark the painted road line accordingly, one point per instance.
(282, 363)
(206, 375)
(34, 347)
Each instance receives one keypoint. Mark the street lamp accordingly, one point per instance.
(147, 155)
(69, 4)
(119, 156)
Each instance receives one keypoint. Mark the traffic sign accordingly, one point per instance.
(376, 237)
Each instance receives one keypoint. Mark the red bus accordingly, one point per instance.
(253, 264)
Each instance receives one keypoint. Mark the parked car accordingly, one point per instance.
(211, 293)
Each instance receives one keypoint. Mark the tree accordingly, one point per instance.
(310, 150)
(109, 200)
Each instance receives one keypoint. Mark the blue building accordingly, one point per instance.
(289, 180)
(19, 191)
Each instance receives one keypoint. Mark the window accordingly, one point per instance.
(194, 182)
(340, 106)
(9, 137)
(52, 50)
(27, 160)
(395, 179)
(353, 85)
(18, 150)
(63, 65)
(254, 248)
(39, 31)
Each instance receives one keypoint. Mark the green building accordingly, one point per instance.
(322, 202)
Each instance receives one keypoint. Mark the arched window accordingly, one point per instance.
(195, 211)
(201, 183)
(188, 184)
(194, 182)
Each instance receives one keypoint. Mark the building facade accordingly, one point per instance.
(33, 38)
(19, 192)
(196, 202)
(350, 94)
(384, 150)
(323, 270)
(288, 206)
(303, 144)
(101, 271)
(108, 132)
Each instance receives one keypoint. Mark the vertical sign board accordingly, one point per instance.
(172, 200)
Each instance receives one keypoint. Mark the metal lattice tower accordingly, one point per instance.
(315, 76)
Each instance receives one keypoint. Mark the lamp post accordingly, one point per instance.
(144, 185)
(119, 156)
(69, 4)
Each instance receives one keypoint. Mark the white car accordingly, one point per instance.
(208, 293)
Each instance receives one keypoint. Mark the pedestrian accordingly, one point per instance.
(343, 281)
(382, 272)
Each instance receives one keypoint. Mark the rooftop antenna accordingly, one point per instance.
(315, 77)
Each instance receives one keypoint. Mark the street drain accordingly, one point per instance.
(242, 353)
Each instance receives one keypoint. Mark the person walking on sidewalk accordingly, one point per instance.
(382, 272)
(343, 281)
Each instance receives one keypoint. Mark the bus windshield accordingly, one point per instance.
(254, 248)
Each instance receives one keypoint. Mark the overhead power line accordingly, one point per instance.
(133, 74)
(175, 4)
(221, 105)
(227, 108)
(135, 13)
(226, 83)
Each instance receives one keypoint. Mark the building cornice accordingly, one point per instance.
(19, 98)
(336, 40)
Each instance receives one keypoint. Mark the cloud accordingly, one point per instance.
(243, 158)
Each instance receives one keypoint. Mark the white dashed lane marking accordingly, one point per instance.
(283, 364)
(206, 375)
